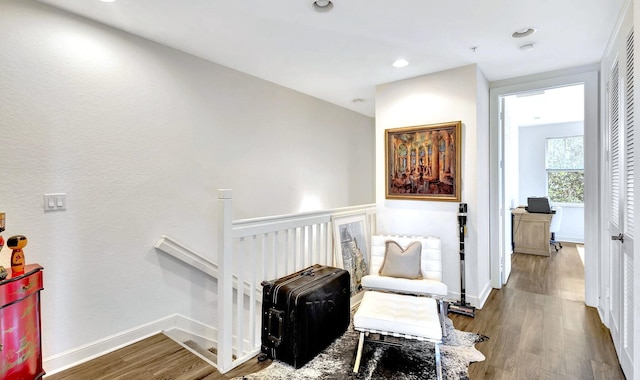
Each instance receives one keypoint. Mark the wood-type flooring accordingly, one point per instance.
(155, 358)
(538, 328)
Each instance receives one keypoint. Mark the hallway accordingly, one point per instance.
(539, 327)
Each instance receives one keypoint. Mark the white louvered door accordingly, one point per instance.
(615, 228)
(629, 215)
(621, 176)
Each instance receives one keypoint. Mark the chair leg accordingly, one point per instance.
(356, 366)
(443, 313)
(438, 362)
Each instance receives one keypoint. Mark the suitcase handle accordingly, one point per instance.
(275, 314)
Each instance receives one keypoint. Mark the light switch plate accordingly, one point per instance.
(55, 202)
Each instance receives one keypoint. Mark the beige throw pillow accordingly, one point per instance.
(403, 263)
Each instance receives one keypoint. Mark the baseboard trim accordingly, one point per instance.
(471, 300)
(181, 336)
(173, 324)
(570, 239)
(484, 295)
(187, 329)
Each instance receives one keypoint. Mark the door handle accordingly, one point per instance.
(619, 237)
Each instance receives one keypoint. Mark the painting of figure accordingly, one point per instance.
(423, 162)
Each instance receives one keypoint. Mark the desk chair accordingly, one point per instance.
(555, 227)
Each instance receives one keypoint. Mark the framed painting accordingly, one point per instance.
(351, 246)
(423, 162)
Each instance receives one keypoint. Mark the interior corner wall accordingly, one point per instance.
(140, 137)
(456, 94)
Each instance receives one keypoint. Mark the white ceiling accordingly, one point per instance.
(552, 106)
(343, 54)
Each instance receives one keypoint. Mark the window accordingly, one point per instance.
(565, 169)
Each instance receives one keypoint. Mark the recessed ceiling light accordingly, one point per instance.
(108, 1)
(400, 63)
(527, 47)
(322, 5)
(523, 32)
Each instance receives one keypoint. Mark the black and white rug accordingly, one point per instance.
(412, 360)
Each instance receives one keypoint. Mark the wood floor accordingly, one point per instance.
(538, 328)
(154, 358)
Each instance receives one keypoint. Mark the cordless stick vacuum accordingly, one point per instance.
(462, 307)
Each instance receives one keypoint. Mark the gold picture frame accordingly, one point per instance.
(424, 162)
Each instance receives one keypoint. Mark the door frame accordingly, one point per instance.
(587, 75)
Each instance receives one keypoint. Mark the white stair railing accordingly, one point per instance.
(253, 250)
(197, 260)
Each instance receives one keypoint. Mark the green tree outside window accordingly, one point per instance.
(565, 169)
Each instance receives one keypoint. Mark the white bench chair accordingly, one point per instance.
(430, 285)
(401, 316)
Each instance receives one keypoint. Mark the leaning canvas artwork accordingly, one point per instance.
(424, 162)
(351, 248)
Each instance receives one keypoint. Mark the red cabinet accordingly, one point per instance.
(20, 345)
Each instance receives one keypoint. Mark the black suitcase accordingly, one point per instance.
(304, 312)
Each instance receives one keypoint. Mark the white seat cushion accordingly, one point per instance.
(399, 315)
(404, 285)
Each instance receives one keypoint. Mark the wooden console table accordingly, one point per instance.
(20, 343)
(531, 232)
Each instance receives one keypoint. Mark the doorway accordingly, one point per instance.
(543, 150)
(506, 193)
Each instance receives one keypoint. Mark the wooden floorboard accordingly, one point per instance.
(538, 328)
(154, 358)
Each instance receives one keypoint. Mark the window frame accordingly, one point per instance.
(547, 171)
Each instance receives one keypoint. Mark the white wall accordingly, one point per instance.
(533, 175)
(457, 94)
(140, 137)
